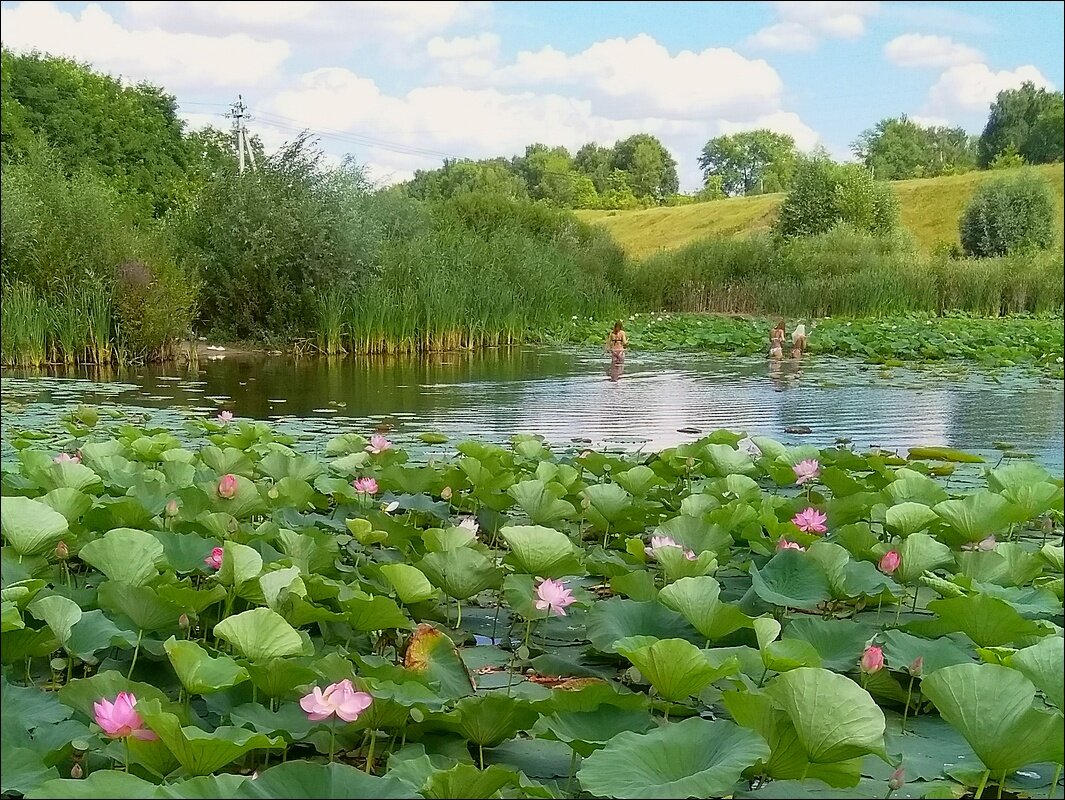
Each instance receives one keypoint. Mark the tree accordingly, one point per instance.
(1015, 120)
(746, 161)
(455, 177)
(824, 194)
(898, 148)
(594, 160)
(1008, 214)
(130, 135)
(549, 174)
(652, 171)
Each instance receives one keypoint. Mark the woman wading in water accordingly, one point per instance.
(616, 343)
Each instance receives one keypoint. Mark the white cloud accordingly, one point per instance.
(800, 26)
(313, 21)
(465, 56)
(921, 50)
(175, 60)
(639, 77)
(971, 88)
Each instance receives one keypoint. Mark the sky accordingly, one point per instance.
(401, 86)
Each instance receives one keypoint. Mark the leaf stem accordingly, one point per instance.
(906, 710)
(983, 783)
(136, 650)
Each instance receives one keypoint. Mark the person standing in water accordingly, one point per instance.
(616, 342)
(798, 340)
(776, 340)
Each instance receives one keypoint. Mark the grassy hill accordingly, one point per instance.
(930, 209)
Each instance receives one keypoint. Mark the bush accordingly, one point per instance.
(1008, 215)
(824, 194)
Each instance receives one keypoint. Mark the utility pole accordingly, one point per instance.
(238, 112)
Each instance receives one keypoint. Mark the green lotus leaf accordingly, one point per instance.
(978, 515)
(920, 553)
(30, 526)
(23, 770)
(10, 617)
(1042, 665)
(541, 551)
(780, 656)
(245, 503)
(279, 585)
(61, 614)
(615, 619)
(587, 731)
(835, 718)
(838, 643)
(698, 600)
(608, 504)
(198, 672)
(1054, 555)
(198, 751)
(276, 677)
(540, 503)
(466, 780)
(141, 604)
(71, 503)
(910, 486)
(637, 481)
(260, 635)
(304, 779)
(675, 667)
(410, 583)
(240, 564)
(902, 649)
(791, 579)
(489, 719)
(988, 621)
(676, 565)
(787, 758)
(728, 460)
(374, 613)
(440, 540)
(221, 786)
(944, 454)
(460, 573)
(908, 518)
(101, 783)
(993, 708)
(697, 533)
(692, 758)
(81, 693)
(126, 555)
(432, 656)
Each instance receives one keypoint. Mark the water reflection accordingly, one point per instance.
(569, 394)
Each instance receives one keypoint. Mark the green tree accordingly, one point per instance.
(749, 162)
(595, 161)
(1015, 120)
(131, 135)
(824, 194)
(651, 170)
(1008, 214)
(549, 174)
(897, 148)
(455, 177)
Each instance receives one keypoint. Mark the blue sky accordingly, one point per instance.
(401, 84)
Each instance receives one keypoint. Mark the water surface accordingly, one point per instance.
(567, 395)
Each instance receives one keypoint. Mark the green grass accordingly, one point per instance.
(930, 208)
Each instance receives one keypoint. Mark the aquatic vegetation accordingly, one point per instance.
(1037, 343)
(234, 617)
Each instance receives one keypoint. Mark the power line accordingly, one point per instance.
(238, 113)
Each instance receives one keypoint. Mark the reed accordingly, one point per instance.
(25, 320)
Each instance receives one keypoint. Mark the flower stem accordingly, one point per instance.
(136, 650)
(458, 605)
(480, 754)
(332, 738)
(127, 754)
(369, 753)
(983, 783)
(906, 710)
(1054, 783)
(573, 770)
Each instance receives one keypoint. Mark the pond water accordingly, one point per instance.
(571, 395)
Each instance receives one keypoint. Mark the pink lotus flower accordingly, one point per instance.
(985, 544)
(365, 485)
(172, 508)
(62, 552)
(807, 470)
(872, 659)
(378, 444)
(810, 520)
(666, 541)
(784, 544)
(917, 667)
(469, 524)
(340, 699)
(214, 561)
(227, 486)
(66, 458)
(897, 779)
(225, 416)
(890, 562)
(553, 596)
(120, 719)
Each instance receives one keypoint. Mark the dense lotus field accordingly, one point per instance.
(728, 618)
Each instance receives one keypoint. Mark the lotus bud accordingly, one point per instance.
(76, 772)
(445, 493)
(897, 779)
(690, 462)
(228, 486)
(183, 622)
(62, 552)
(872, 659)
(917, 667)
(172, 508)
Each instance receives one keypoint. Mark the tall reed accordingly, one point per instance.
(24, 319)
